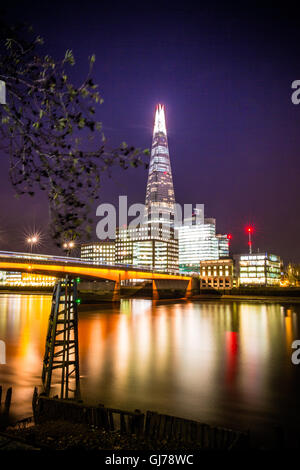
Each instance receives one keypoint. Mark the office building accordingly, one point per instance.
(18, 279)
(153, 244)
(223, 245)
(218, 274)
(258, 269)
(99, 252)
(199, 242)
(160, 198)
(140, 247)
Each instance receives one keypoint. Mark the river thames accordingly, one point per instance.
(220, 362)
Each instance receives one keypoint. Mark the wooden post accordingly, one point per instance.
(138, 426)
(34, 403)
(8, 400)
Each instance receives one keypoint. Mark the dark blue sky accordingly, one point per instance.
(224, 73)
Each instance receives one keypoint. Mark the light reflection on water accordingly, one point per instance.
(222, 363)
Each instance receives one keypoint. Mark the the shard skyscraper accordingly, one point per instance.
(153, 244)
(160, 198)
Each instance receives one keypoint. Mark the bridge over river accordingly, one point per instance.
(60, 266)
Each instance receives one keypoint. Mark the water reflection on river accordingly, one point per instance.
(225, 363)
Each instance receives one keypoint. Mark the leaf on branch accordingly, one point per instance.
(69, 58)
(39, 40)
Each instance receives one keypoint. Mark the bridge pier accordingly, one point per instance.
(162, 288)
(188, 292)
(155, 294)
(191, 288)
(116, 293)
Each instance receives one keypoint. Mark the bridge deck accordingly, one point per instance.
(60, 266)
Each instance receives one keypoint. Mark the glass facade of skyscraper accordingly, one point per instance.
(223, 246)
(160, 198)
(199, 242)
(153, 244)
(139, 247)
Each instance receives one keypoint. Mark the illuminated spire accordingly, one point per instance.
(160, 191)
(160, 121)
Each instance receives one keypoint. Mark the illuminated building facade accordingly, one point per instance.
(160, 198)
(160, 249)
(260, 269)
(12, 278)
(124, 246)
(18, 279)
(37, 280)
(218, 274)
(153, 244)
(99, 252)
(199, 242)
(156, 254)
(223, 243)
(140, 247)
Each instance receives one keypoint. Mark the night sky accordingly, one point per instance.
(224, 74)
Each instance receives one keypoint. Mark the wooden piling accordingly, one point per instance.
(34, 403)
(8, 400)
(154, 426)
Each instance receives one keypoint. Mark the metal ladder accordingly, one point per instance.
(61, 351)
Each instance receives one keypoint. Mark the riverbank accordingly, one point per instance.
(91, 299)
(107, 302)
(74, 425)
(27, 290)
(264, 299)
(63, 435)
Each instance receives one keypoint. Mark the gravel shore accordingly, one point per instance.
(62, 435)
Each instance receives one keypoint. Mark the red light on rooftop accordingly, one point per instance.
(229, 236)
(249, 229)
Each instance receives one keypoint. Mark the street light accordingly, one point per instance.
(68, 246)
(32, 241)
